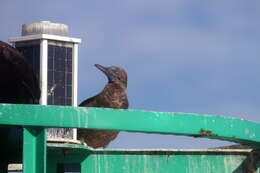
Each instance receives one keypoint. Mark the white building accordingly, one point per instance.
(54, 58)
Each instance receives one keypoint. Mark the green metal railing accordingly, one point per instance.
(41, 157)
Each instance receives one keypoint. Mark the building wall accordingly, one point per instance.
(59, 69)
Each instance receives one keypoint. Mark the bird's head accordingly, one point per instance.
(114, 74)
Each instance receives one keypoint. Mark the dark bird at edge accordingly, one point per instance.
(112, 96)
(18, 83)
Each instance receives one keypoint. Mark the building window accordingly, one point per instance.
(32, 54)
(59, 75)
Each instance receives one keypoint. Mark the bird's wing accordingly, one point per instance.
(17, 68)
(90, 102)
(125, 104)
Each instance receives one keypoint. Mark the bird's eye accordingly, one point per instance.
(114, 71)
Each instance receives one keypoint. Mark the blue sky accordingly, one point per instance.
(181, 56)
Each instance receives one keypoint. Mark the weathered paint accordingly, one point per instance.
(157, 160)
(197, 125)
(124, 163)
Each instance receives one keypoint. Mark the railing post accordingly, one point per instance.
(34, 150)
(87, 164)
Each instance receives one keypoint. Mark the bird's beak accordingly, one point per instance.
(101, 68)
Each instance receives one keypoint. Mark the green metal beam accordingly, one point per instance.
(34, 150)
(86, 164)
(157, 160)
(169, 162)
(196, 125)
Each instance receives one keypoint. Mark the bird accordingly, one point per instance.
(18, 85)
(112, 96)
(18, 82)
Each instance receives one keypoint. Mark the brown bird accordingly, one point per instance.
(18, 83)
(112, 96)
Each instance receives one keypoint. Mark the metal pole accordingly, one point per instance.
(34, 150)
(43, 71)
